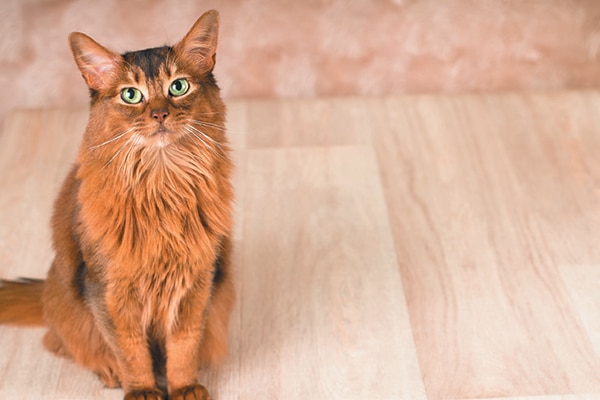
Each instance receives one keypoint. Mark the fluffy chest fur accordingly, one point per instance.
(152, 218)
(152, 206)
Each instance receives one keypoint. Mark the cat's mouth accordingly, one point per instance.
(162, 136)
(162, 130)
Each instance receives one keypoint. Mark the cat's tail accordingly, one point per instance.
(21, 302)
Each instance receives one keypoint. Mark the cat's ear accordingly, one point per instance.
(200, 44)
(98, 65)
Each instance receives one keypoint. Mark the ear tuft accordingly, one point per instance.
(200, 43)
(98, 65)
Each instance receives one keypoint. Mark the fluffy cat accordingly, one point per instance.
(140, 289)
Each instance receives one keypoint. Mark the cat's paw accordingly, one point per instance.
(145, 394)
(192, 392)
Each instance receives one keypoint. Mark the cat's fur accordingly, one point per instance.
(140, 289)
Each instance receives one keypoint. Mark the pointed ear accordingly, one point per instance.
(98, 65)
(200, 43)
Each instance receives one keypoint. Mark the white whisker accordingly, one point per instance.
(119, 136)
(127, 164)
(191, 130)
(208, 125)
(205, 136)
(228, 131)
(117, 152)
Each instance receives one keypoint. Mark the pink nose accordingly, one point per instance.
(160, 115)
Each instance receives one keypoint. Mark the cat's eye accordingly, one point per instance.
(131, 95)
(179, 87)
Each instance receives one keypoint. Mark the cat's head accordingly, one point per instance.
(152, 98)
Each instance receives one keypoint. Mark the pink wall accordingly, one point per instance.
(315, 47)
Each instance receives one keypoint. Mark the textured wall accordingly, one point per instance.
(315, 47)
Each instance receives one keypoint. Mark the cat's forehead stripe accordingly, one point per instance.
(150, 61)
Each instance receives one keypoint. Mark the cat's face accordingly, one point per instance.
(155, 98)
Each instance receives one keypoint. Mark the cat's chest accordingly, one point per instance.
(149, 225)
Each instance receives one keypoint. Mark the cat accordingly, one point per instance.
(140, 289)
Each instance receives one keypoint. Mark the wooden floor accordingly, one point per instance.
(413, 248)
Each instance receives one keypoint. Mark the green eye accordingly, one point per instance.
(131, 95)
(179, 87)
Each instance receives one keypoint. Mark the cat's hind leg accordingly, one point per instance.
(213, 348)
(72, 332)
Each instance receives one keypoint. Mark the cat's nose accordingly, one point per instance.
(160, 115)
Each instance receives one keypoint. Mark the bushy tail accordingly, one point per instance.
(21, 302)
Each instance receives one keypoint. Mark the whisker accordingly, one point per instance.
(119, 136)
(191, 130)
(228, 131)
(205, 136)
(127, 164)
(209, 125)
(216, 143)
(117, 153)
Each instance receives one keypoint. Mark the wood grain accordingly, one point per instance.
(422, 247)
(582, 283)
(482, 193)
(36, 150)
(320, 289)
(308, 122)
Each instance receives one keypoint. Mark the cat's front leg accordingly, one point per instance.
(183, 344)
(129, 340)
(138, 378)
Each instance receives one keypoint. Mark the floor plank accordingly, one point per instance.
(466, 181)
(322, 307)
(36, 151)
(308, 122)
(582, 282)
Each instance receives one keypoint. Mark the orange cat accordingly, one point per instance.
(140, 289)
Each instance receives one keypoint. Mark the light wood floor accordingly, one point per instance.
(413, 248)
